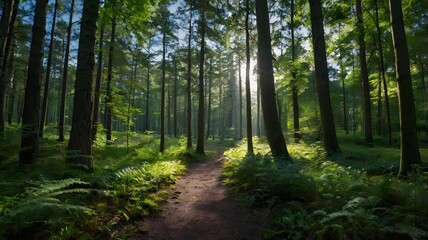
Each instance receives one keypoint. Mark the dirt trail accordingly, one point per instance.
(202, 208)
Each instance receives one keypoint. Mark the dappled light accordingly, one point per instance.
(207, 120)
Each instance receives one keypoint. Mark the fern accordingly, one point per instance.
(40, 203)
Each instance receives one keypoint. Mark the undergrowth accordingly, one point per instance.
(330, 197)
(52, 200)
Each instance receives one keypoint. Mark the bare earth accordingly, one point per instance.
(202, 208)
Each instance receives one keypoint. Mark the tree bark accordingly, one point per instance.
(240, 98)
(80, 144)
(108, 109)
(147, 125)
(408, 135)
(270, 114)
(175, 98)
(209, 100)
(321, 73)
(364, 75)
(31, 111)
(98, 81)
(200, 146)
(189, 82)
(5, 34)
(250, 149)
(48, 74)
(6, 69)
(342, 79)
(61, 121)
(162, 112)
(382, 68)
(296, 112)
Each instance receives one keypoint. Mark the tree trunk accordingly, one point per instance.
(12, 93)
(240, 98)
(382, 68)
(364, 75)
(200, 146)
(247, 81)
(147, 125)
(189, 82)
(6, 70)
(98, 81)
(5, 36)
(321, 73)
(175, 94)
(48, 74)
(259, 132)
(296, 112)
(61, 121)
(270, 114)
(220, 111)
(342, 79)
(80, 144)
(31, 112)
(209, 99)
(108, 109)
(162, 110)
(409, 139)
(379, 104)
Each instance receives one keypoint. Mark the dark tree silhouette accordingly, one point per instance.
(264, 60)
(321, 74)
(408, 135)
(31, 112)
(80, 144)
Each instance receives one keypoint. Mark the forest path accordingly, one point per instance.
(202, 208)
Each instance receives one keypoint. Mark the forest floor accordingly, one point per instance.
(200, 207)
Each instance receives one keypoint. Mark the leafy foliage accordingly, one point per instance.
(46, 201)
(329, 197)
(52, 199)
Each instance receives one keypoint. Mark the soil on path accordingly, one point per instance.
(202, 208)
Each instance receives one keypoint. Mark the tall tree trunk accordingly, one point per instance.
(12, 94)
(31, 112)
(5, 34)
(108, 109)
(409, 138)
(200, 145)
(259, 132)
(6, 70)
(162, 110)
(296, 112)
(264, 59)
(175, 99)
(321, 73)
(98, 81)
(61, 121)
(382, 68)
(189, 83)
(240, 98)
(247, 80)
(342, 79)
(48, 74)
(209, 99)
(379, 104)
(221, 111)
(364, 75)
(147, 125)
(80, 144)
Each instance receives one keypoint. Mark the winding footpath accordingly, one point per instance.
(202, 208)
